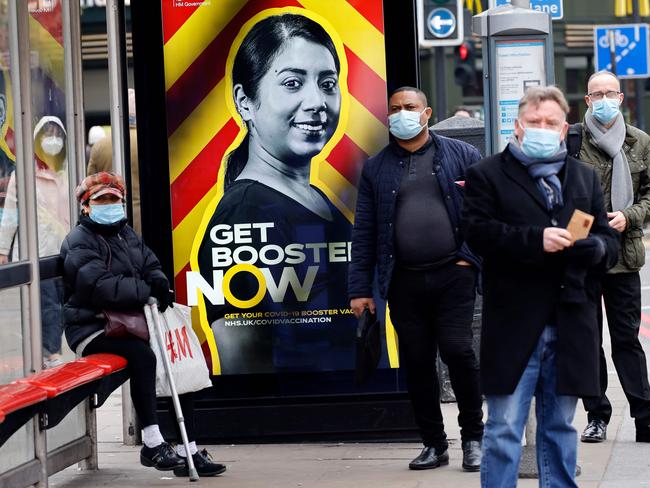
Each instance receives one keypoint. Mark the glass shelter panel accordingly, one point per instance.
(8, 194)
(20, 447)
(49, 158)
(51, 173)
(49, 131)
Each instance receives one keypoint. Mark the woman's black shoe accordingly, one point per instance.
(162, 457)
(203, 463)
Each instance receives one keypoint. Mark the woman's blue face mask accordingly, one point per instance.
(106, 214)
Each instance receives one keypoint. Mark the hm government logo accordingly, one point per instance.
(191, 3)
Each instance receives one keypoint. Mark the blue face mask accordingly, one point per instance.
(540, 143)
(107, 214)
(605, 110)
(405, 124)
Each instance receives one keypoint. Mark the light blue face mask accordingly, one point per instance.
(540, 143)
(107, 214)
(405, 124)
(605, 110)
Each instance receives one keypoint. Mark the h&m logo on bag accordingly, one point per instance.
(180, 348)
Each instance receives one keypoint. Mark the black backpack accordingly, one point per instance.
(574, 140)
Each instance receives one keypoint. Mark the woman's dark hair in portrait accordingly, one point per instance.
(254, 57)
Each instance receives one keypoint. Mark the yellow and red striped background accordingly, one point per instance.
(201, 128)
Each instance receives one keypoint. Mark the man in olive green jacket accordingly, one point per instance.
(620, 155)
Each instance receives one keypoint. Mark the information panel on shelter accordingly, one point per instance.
(519, 65)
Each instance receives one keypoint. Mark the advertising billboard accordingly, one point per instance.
(272, 108)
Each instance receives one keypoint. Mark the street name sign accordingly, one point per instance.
(554, 8)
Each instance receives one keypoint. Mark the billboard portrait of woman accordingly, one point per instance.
(289, 311)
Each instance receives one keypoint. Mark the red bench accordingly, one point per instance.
(64, 378)
(16, 396)
(109, 362)
(54, 392)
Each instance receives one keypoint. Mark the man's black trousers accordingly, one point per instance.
(622, 296)
(433, 310)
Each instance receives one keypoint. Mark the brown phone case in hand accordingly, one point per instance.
(580, 225)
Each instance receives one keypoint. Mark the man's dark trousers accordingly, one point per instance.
(622, 296)
(434, 309)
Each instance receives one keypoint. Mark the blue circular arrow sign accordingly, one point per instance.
(441, 22)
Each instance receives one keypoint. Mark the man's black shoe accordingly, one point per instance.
(203, 463)
(471, 455)
(428, 459)
(596, 431)
(162, 457)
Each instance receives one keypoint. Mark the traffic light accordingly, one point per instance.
(465, 70)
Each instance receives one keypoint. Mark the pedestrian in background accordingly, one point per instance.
(407, 225)
(101, 160)
(618, 152)
(95, 134)
(541, 293)
(461, 111)
(53, 218)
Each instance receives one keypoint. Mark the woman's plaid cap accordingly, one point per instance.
(99, 184)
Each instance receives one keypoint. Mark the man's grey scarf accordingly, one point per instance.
(610, 141)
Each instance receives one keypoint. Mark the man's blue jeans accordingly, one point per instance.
(557, 440)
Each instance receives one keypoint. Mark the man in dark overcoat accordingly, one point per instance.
(540, 334)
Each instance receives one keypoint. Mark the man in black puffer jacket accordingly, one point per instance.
(107, 267)
(135, 274)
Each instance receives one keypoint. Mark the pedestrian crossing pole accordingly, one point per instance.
(611, 34)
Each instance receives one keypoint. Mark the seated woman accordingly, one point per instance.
(106, 266)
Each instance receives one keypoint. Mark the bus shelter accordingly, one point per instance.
(281, 351)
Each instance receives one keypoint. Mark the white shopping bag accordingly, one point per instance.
(183, 350)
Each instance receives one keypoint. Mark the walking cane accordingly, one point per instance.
(152, 314)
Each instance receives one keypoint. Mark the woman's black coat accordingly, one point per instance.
(91, 286)
(504, 219)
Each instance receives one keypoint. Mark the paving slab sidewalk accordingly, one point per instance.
(618, 463)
